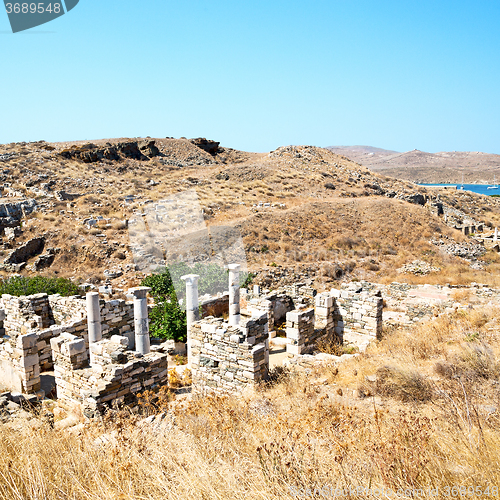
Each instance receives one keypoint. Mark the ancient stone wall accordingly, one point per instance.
(276, 305)
(263, 306)
(228, 358)
(48, 317)
(300, 331)
(359, 311)
(67, 309)
(116, 374)
(117, 316)
(26, 313)
(19, 363)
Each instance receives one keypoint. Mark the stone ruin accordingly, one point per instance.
(98, 352)
(229, 355)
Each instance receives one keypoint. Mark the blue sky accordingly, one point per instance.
(256, 75)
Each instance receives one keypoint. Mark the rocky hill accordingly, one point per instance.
(303, 212)
(419, 166)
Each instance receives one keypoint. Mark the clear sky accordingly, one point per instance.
(258, 74)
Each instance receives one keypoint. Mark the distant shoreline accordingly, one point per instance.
(485, 189)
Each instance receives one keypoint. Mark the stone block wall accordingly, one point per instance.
(26, 313)
(324, 314)
(116, 374)
(19, 363)
(275, 304)
(359, 311)
(228, 358)
(78, 328)
(117, 316)
(300, 331)
(48, 317)
(263, 306)
(67, 309)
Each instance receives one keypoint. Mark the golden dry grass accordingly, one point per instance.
(427, 420)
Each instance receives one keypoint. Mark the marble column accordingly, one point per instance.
(141, 319)
(192, 308)
(234, 294)
(93, 317)
(93, 321)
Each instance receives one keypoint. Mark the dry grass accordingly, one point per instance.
(430, 425)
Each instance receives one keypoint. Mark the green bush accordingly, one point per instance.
(20, 285)
(168, 320)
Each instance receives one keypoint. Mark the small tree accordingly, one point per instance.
(167, 319)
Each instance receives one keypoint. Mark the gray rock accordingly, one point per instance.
(12, 407)
(24, 252)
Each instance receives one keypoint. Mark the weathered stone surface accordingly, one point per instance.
(149, 148)
(24, 252)
(211, 147)
(45, 260)
(90, 153)
(415, 198)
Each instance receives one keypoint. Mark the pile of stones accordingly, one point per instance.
(12, 403)
(418, 267)
(467, 251)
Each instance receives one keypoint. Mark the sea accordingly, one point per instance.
(475, 188)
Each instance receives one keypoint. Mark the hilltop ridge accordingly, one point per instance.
(308, 211)
(423, 167)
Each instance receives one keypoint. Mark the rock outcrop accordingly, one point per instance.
(90, 153)
(12, 213)
(24, 252)
(149, 148)
(211, 147)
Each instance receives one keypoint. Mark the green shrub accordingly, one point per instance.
(20, 285)
(168, 320)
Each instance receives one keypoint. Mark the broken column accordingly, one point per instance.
(192, 307)
(234, 294)
(141, 320)
(93, 317)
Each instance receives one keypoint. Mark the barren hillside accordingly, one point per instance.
(304, 212)
(419, 166)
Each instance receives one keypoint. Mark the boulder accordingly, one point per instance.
(44, 261)
(415, 198)
(211, 147)
(24, 252)
(149, 148)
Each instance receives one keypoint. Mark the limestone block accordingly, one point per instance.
(74, 347)
(28, 361)
(293, 349)
(27, 341)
